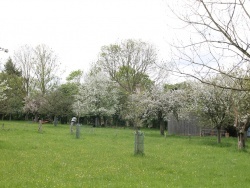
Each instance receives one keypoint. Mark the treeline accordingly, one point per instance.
(121, 89)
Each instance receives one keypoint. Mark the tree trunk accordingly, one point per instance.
(105, 121)
(97, 121)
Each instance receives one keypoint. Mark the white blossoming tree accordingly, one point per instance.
(213, 106)
(33, 105)
(156, 104)
(97, 97)
(3, 87)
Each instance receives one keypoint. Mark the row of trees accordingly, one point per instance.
(118, 84)
(32, 86)
(120, 87)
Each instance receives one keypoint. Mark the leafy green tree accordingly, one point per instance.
(75, 76)
(11, 69)
(130, 80)
(142, 83)
(13, 103)
(59, 102)
(14, 97)
(128, 63)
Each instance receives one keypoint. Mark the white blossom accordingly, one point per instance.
(97, 96)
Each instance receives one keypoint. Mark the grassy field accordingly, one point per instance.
(103, 157)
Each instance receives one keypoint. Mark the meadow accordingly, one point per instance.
(104, 157)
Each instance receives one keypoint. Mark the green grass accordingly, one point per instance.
(103, 157)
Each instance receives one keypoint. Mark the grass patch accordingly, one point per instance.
(103, 157)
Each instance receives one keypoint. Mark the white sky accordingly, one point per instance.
(76, 29)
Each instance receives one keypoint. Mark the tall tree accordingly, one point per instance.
(39, 69)
(14, 102)
(45, 68)
(127, 63)
(57, 103)
(11, 69)
(24, 59)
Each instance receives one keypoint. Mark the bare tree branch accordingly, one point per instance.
(219, 41)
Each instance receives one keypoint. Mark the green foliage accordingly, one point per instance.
(182, 85)
(130, 80)
(103, 157)
(57, 103)
(128, 62)
(13, 103)
(68, 89)
(11, 69)
(75, 76)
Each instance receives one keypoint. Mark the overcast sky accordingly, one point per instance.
(76, 29)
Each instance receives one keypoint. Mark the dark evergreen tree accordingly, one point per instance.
(11, 69)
